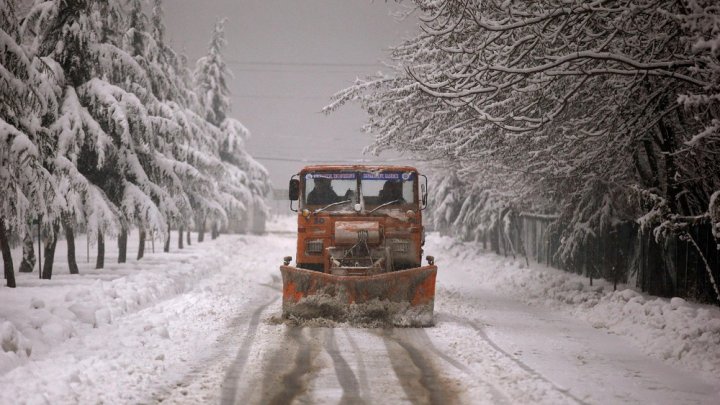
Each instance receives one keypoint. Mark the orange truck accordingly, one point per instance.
(359, 246)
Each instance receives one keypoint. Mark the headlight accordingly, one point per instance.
(314, 246)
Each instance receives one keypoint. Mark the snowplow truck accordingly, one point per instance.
(359, 247)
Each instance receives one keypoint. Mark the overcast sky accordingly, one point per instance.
(288, 57)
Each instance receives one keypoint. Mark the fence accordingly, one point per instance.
(671, 267)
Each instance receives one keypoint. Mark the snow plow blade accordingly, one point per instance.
(401, 298)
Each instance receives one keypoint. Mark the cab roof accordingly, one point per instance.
(369, 168)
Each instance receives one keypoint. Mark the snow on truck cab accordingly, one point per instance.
(359, 246)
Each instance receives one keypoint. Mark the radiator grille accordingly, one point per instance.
(400, 246)
(314, 246)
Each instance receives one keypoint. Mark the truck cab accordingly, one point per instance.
(359, 219)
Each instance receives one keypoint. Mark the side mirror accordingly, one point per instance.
(423, 192)
(294, 189)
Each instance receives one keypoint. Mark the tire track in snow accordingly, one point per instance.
(229, 386)
(294, 382)
(415, 371)
(405, 372)
(343, 372)
(362, 373)
(421, 337)
(483, 335)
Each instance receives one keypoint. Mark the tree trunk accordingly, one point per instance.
(70, 237)
(494, 241)
(50, 245)
(668, 147)
(28, 261)
(100, 262)
(122, 245)
(166, 248)
(201, 230)
(180, 237)
(7, 257)
(214, 232)
(188, 238)
(654, 177)
(141, 245)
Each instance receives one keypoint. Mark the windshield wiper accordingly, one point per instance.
(331, 205)
(383, 205)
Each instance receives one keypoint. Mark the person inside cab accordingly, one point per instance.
(391, 191)
(322, 193)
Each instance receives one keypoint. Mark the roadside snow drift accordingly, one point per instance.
(673, 330)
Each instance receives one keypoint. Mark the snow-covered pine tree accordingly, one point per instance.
(14, 63)
(173, 76)
(83, 147)
(214, 96)
(189, 136)
(120, 134)
(445, 200)
(256, 177)
(211, 75)
(250, 185)
(23, 101)
(84, 38)
(162, 166)
(61, 33)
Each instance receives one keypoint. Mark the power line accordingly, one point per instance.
(312, 72)
(366, 161)
(279, 97)
(306, 64)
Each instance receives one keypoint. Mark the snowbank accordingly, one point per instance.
(674, 330)
(16, 348)
(138, 332)
(41, 314)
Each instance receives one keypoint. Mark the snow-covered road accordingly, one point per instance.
(214, 337)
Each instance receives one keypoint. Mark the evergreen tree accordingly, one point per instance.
(211, 74)
(24, 100)
(102, 129)
(249, 183)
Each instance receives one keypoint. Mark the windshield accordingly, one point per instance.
(391, 188)
(328, 190)
(322, 189)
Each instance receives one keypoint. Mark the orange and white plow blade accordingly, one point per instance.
(402, 298)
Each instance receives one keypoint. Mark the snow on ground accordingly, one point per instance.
(673, 330)
(125, 333)
(194, 326)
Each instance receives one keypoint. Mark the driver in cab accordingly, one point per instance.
(322, 193)
(391, 192)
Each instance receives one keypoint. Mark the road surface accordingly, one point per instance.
(486, 347)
